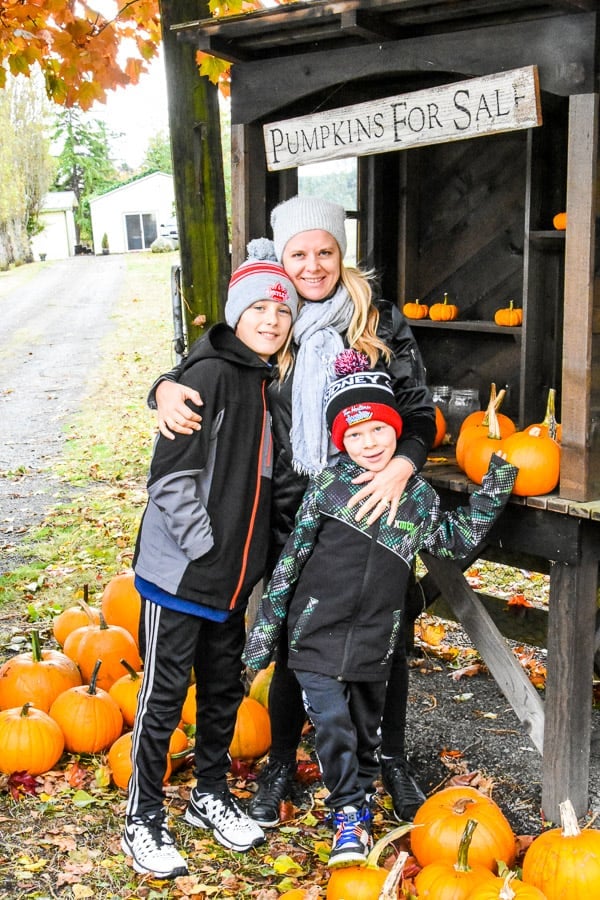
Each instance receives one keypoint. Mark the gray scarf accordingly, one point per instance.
(318, 333)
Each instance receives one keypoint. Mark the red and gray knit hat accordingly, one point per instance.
(358, 395)
(260, 277)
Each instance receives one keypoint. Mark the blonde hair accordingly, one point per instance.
(285, 358)
(362, 331)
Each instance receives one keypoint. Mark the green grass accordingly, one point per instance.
(105, 458)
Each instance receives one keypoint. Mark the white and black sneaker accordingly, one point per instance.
(231, 827)
(149, 842)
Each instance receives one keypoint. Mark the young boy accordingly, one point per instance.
(201, 548)
(341, 585)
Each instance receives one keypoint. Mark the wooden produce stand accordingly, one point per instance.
(473, 124)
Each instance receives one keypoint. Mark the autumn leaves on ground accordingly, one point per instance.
(61, 827)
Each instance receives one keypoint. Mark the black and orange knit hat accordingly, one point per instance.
(358, 395)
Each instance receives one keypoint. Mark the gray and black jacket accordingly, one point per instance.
(205, 531)
(340, 584)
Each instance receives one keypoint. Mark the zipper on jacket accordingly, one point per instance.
(350, 635)
(250, 534)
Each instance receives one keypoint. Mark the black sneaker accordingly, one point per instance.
(398, 781)
(274, 785)
(352, 839)
(150, 844)
(230, 826)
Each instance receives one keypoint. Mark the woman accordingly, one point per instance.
(337, 310)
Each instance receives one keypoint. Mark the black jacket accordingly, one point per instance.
(339, 585)
(205, 531)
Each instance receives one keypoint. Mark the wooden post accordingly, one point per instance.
(571, 642)
(579, 478)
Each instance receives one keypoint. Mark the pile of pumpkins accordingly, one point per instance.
(461, 841)
(82, 698)
(535, 450)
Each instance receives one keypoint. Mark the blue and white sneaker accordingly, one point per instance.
(352, 839)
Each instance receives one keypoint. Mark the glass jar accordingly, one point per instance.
(463, 402)
(440, 394)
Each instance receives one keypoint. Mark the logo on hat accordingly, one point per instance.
(278, 292)
(359, 412)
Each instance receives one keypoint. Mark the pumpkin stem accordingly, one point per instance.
(393, 835)
(130, 669)
(568, 819)
(26, 707)
(92, 689)
(36, 650)
(102, 621)
(83, 602)
(550, 417)
(462, 862)
(506, 891)
(445, 298)
(389, 891)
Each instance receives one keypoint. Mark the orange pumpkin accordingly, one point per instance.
(440, 427)
(415, 310)
(121, 603)
(88, 716)
(261, 684)
(453, 881)
(560, 221)
(30, 741)
(125, 692)
(188, 712)
(506, 888)
(119, 758)
(477, 424)
(443, 312)
(252, 735)
(108, 643)
(509, 316)
(443, 817)
(71, 618)
(37, 677)
(537, 457)
(478, 449)
(365, 882)
(564, 863)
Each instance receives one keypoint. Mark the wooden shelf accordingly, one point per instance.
(551, 235)
(467, 325)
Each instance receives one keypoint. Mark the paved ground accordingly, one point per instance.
(51, 326)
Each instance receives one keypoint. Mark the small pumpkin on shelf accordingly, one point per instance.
(443, 312)
(415, 310)
(509, 316)
(560, 221)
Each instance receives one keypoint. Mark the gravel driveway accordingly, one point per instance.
(52, 325)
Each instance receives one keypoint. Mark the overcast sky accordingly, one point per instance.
(137, 112)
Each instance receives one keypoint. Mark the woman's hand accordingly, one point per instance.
(174, 415)
(382, 491)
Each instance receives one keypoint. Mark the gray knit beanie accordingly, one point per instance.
(307, 214)
(260, 277)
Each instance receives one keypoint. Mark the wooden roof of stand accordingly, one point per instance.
(336, 24)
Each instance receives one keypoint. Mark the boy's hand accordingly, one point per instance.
(174, 415)
(382, 491)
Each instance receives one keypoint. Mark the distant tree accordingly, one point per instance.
(158, 153)
(84, 165)
(26, 169)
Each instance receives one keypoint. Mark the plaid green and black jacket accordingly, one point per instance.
(339, 584)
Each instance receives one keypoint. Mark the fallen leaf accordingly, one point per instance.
(467, 671)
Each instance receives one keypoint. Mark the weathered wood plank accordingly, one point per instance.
(579, 480)
(503, 665)
(571, 645)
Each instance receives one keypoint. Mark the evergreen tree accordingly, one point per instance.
(84, 165)
(158, 154)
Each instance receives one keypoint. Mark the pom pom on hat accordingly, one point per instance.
(359, 395)
(260, 277)
(307, 214)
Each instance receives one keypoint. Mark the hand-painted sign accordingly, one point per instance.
(504, 101)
